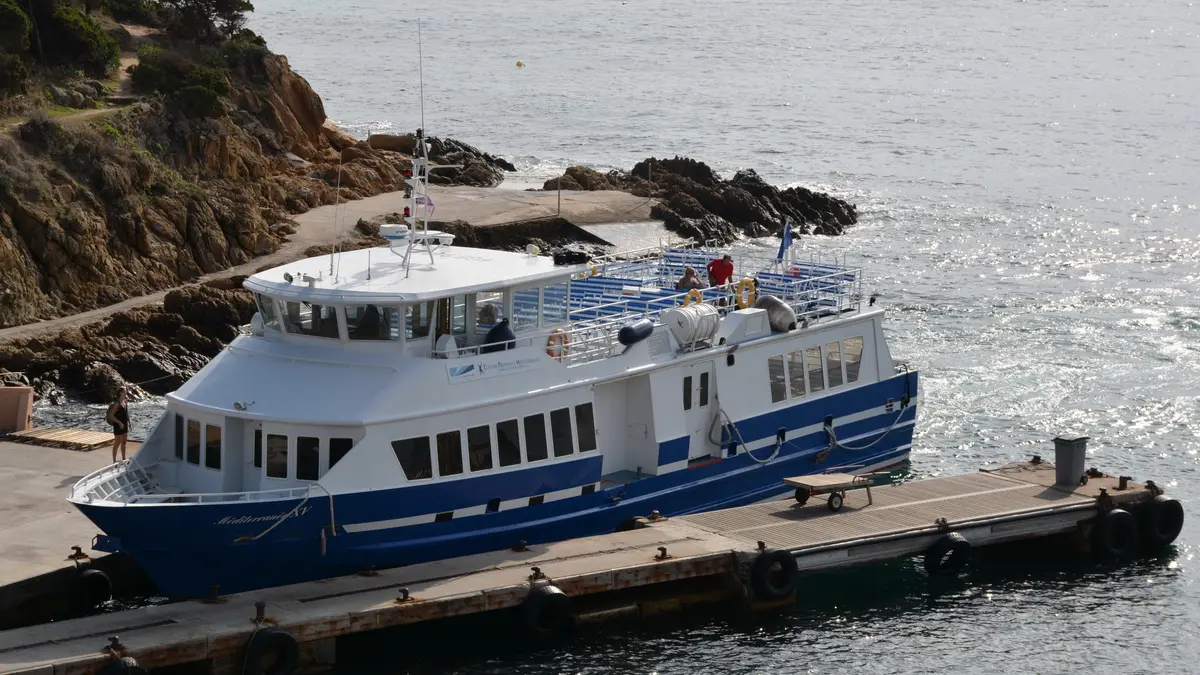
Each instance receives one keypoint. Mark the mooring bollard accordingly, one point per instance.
(1070, 453)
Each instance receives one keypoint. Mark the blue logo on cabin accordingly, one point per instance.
(459, 371)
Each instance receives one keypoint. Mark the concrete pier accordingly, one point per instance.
(755, 555)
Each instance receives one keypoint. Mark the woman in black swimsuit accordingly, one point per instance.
(118, 417)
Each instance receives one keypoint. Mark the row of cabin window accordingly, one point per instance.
(790, 374)
(372, 322)
(509, 437)
(197, 448)
(308, 454)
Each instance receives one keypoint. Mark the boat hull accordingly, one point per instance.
(188, 549)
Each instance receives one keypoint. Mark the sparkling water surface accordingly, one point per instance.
(1027, 178)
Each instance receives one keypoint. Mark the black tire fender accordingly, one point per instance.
(91, 588)
(123, 666)
(1114, 535)
(1162, 521)
(774, 575)
(546, 613)
(948, 554)
(268, 641)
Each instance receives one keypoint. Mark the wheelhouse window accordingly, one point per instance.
(413, 454)
(775, 374)
(268, 310)
(277, 456)
(258, 448)
(479, 447)
(796, 373)
(560, 432)
(417, 320)
(308, 458)
(338, 448)
(508, 442)
(816, 378)
(212, 446)
(193, 442)
(554, 304)
(585, 426)
(833, 363)
(371, 322)
(489, 309)
(456, 317)
(449, 447)
(178, 436)
(525, 308)
(852, 349)
(535, 437)
(302, 318)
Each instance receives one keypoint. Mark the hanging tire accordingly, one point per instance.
(1162, 521)
(272, 652)
(546, 613)
(774, 575)
(948, 554)
(802, 495)
(122, 666)
(1115, 535)
(91, 588)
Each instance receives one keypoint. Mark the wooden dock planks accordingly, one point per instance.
(986, 507)
(72, 439)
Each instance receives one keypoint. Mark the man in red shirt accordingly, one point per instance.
(720, 271)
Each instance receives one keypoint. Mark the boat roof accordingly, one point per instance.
(378, 276)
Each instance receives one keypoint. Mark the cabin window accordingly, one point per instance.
(508, 443)
(687, 393)
(560, 431)
(537, 501)
(585, 426)
(776, 376)
(444, 517)
(525, 308)
(413, 454)
(178, 436)
(212, 447)
(449, 447)
(308, 458)
(489, 309)
(258, 448)
(458, 315)
(339, 448)
(535, 437)
(833, 363)
(554, 304)
(266, 307)
(303, 318)
(816, 381)
(703, 389)
(277, 456)
(417, 320)
(479, 447)
(852, 350)
(796, 373)
(371, 322)
(588, 489)
(193, 442)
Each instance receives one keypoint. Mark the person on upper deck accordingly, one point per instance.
(688, 281)
(720, 271)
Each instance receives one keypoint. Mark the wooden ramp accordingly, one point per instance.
(72, 439)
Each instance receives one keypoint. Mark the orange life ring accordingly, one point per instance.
(558, 345)
(693, 295)
(745, 293)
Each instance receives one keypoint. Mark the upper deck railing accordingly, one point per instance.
(640, 284)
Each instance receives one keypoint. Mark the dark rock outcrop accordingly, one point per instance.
(695, 202)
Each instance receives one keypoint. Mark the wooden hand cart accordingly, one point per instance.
(835, 482)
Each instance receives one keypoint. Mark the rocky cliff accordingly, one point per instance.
(695, 202)
(132, 200)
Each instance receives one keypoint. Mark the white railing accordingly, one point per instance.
(129, 483)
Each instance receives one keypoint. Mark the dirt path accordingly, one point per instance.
(328, 224)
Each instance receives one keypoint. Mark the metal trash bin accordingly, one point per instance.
(1070, 456)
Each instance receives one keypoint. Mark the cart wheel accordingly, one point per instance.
(835, 501)
(802, 495)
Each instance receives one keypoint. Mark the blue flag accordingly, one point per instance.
(785, 239)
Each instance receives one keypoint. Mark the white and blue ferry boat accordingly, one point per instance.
(422, 401)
